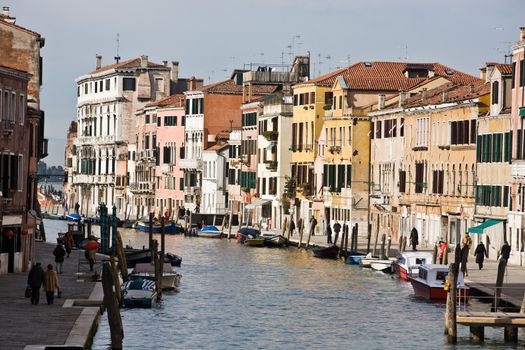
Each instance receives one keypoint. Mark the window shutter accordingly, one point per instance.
(348, 175)
(340, 176)
(325, 175)
(478, 149)
(372, 131)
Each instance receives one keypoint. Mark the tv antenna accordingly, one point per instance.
(117, 57)
(404, 58)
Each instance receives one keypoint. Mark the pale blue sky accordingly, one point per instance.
(210, 37)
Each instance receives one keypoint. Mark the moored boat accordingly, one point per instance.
(156, 227)
(254, 242)
(354, 259)
(139, 292)
(275, 241)
(209, 232)
(246, 232)
(170, 278)
(407, 263)
(326, 253)
(137, 256)
(386, 266)
(367, 260)
(429, 284)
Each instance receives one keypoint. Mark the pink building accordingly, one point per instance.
(170, 141)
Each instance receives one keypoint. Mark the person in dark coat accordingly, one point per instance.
(292, 227)
(59, 252)
(313, 223)
(505, 251)
(337, 229)
(464, 260)
(328, 234)
(35, 280)
(414, 238)
(480, 254)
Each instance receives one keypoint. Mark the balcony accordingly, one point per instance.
(192, 190)
(95, 140)
(271, 165)
(190, 164)
(518, 168)
(142, 187)
(335, 149)
(271, 136)
(9, 127)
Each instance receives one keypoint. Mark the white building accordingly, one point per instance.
(106, 101)
(274, 140)
(214, 197)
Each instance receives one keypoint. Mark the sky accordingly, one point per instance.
(209, 37)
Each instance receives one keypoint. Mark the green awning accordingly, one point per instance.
(481, 228)
(522, 112)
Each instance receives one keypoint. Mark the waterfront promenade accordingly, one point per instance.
(24, 324)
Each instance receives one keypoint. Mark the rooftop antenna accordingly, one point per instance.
(404, 58)
(319, 64)
(117, 57)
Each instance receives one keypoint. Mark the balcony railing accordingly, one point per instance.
(9, 126)
(142, 187)
(271, 135)
(335, 149)
(92, 140)
(271, 165)
(190, 163)
(192, 190)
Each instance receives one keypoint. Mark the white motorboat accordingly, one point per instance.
(170, 278)
(386, 266)
(407, 263)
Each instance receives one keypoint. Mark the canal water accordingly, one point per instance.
(237, 297)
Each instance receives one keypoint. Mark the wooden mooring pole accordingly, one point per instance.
(310, 233)
(112, 307)
(230, 220)
(435, 254)
(116, 281)
(377, 236)
(150, 234)
(368, 237)
(121, 255)
(158, 272)
(388, 244)
(502, 265)
(301, 228)
(382, 251)
(451, 329)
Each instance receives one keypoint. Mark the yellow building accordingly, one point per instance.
(436, 181)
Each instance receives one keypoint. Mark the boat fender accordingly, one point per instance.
(446, 287)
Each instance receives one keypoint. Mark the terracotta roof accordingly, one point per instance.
(176, 100)
(229, 87)
(505, 69)
(389, 76)
(217, 147)
(455, 93)
(131, 63)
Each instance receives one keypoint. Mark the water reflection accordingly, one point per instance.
(233, 296)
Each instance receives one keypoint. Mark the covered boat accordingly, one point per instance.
(429, 283)
(326, 253)
(247, 232)
(169, 227)
(73, 217)
(354, 259)
(137, 256)
(209, 232)
(139, 292)
(407, 263)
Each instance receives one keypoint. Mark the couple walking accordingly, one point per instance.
(49, 279)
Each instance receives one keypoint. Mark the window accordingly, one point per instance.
(495, 93)
(100, 86)
(183, 120)
(422, 132)
(181, 183)
(328, 96)
(249, 119)
(461, 133)
(295, 102)
(170, 121)
(128, 84)
(312, 97)
(437, 181)
(420, 177)
(513, 74)
(522, 72)
(108, 84)
(378, 129)
(402, 127)
(402, 181)
(341, 102)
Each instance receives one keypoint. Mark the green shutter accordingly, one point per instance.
(478, 194)
(478, 149)
(325, 177)
(332, 177)
(340, 176)
(506, 196)
(349, 176)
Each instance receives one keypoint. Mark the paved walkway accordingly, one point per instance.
(24, 324)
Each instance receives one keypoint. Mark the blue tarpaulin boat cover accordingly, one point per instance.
(210, 228)
(250, 231)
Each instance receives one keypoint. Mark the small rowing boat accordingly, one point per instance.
(326, 253)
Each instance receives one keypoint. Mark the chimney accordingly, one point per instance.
(144, 61)
(99, 61)
(522, 31)
(191, 84)
(5, 14)
(471, 88)
(402, 98)
(483, 73)
(174, 74)
(380, 101)
(423, 94)
(165, 63)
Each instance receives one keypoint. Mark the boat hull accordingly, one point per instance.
(367, 262)
(209, 234)
(434, 294)
(156, 228)
(254, 242)
(354, 259)
(402, 272)
(383, 267)
(326, 253)
(138, 298)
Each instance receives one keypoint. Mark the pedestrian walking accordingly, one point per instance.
(68, 243)
(77, 207)
(91, 251)
(51, 284)
(480, 254)
(442, 247)
(328, 234)
(466, 242)
(35, 279)
(337, 229)
(59, 252)
(292, 227)
(505, 251)
(414, 238)
(313, 224)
